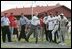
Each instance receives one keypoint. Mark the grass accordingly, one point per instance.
(68, 42)
(32, 40)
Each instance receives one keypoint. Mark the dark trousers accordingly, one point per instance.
(22, 33)
(15, 32)
(5, 30)
(49, 35)
(56, 35)
(46, 32)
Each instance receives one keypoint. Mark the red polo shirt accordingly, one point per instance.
(41, 22)
(11, 18)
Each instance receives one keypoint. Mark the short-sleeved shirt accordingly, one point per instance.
(63, 22)
(41, 22)
(11, 19)
(50, 23)
(5, 21)
(35, 20)
(23, 20)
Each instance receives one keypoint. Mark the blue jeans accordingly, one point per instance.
(11, 30)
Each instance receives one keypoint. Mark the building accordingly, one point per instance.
(41, 10)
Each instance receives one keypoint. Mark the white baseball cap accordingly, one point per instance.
(61, 14)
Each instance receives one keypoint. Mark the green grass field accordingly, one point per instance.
(32, 40)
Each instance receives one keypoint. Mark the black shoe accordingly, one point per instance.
(36, 42)
(58, 42)
(27, 40)
(54, 41)
(3, 42)
(19, 39)
(47, 40)
(10, 41)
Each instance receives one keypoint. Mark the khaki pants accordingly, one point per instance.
(33, 29)
(62, 34)
(42, 33)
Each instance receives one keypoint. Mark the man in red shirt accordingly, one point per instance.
(42, 27)
(11, 19)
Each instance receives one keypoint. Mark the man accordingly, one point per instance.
(23, 22)
(42, 27)
(49, 27)
(34, 27)
(11, 19)
(44, 20)
(69, 29)
(55, 29)
(5, 28)
(15, 31)
(63, 24)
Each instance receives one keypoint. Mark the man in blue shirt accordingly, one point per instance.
(23, 22)
(5, 28)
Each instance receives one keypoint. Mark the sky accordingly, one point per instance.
(5, 5)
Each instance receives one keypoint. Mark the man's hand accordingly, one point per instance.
(66, 24)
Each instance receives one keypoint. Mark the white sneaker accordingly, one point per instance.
(62, 43)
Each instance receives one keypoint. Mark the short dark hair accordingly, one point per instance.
(21, 13)
(11, 13)
(5, 13)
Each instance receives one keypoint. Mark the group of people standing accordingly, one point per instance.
(52, 26)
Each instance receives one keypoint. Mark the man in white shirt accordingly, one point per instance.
(45, 21)
(49, 27)
(69, 30)
(5, 28)
(34, 27)
(63, 25)
(55, 29)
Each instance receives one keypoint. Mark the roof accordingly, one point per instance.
(28, 11)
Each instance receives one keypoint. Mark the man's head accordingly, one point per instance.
(5, 14)
(36, 14)
(56, 13)
(61, 15)
(11, 13)
(22, 14)
(51, 15)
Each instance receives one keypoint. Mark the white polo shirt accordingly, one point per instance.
(45, 19)
(34, 20)
(5, 21)
(50, 23)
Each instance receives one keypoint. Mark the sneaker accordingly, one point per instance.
(27, 40)
(58, 42)
(62, 43)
